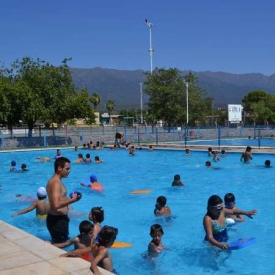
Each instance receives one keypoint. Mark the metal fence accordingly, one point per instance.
(76, 136)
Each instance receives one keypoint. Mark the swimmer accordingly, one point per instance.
(161, 208)
(223, 153)
(132, 151)
(151, 147)
(13, 166)
(40, 205)
(177, 181)
(98, 160)
(267, 163)
(24, 167)
(156, 246)
(83, 239)
(230, 203)
(88, 158)
(99, 250)
(214, 221)
(216, 156)
(80, 158)
(187, 152)
(209, 151)
(58, 154)
(94, 184)
(44, 159)
(208, 164)
(97, 217)
(247, 155)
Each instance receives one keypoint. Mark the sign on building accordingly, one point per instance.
(235, 113)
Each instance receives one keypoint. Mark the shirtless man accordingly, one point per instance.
(57, 219)
(247, 155)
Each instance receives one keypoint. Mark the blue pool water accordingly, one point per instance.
(120, 174)
(265, 142)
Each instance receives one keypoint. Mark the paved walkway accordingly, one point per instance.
(24, 254)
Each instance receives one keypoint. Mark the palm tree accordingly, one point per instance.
(110, 106)
(95, 99)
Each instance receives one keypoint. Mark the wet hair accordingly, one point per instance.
(223, 151)
(23, 166)
(60, 162)
(210, 149)
(97, 158)
(85, 227)
(267, 162)
(88, 155)
(177, 177)
(98, 214)
(208, 163)
(248, 149)
(161, 201)
(155, 229)
(228, 198)
(107, 236)
(214, 200)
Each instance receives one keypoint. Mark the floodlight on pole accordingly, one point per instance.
(187, 104)
(141, 102)
(151, 50)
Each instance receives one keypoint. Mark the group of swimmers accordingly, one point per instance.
(14, 168)
(219, 214)
(102, 238)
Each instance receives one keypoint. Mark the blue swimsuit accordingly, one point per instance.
(219, 232)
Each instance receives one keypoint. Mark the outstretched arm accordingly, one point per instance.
(25, 210)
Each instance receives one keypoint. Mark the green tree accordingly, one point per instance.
(95, 99)
(78, 107)
(110, 106)
(168, 97)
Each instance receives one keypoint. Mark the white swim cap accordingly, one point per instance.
(41, 192)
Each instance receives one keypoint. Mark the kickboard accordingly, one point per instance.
(241, 243)
(140, 192)
(121, 245)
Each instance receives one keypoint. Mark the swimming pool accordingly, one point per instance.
(133, 214)
(264, 142)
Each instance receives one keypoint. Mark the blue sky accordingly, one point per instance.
(235, 36)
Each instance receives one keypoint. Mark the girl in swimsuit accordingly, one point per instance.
(97, 217)
(215, 224)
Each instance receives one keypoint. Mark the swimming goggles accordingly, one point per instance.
(218, 207)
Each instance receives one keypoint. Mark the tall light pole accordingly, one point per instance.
(141, 103)
(151, 50)
(187, 104)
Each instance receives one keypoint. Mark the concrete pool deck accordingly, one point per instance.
(24, 254)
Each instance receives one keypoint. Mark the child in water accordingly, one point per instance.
(161, 208)
(97, 217)
(214, 221)
(156, 246)
(229, 201)
(83, 239)
(99, 250)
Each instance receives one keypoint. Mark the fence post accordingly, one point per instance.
(219, 136)
(259, 137)
(45, 139)
(185, 136)
(138, 137)
(157, 137)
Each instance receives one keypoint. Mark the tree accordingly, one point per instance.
(260, 106)
(168, 97)
(110, 106)
(95, 99)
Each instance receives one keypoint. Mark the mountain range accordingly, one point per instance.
(124, 88)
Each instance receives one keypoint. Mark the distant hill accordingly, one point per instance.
(124, 86)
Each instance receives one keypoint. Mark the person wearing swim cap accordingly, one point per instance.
(57, 219)
(40, 205)
(94, 184)
(13, 166)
